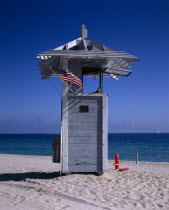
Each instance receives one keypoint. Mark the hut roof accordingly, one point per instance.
(95, 56)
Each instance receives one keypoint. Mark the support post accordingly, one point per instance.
(105, 132)
(137, 158)
(64, 123)
(101, 81)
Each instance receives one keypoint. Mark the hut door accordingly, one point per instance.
(85, 134)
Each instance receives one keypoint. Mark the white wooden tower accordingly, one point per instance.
(84, 122)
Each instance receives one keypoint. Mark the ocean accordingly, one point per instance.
(150, 147)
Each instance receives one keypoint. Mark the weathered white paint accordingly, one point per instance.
(85, 168)
(105, 133)
(64, 123)
(85, 133)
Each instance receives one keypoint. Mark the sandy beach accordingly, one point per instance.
(34, 182)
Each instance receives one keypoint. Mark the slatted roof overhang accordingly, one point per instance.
(99, 59)
(94, 56)
(82, 54)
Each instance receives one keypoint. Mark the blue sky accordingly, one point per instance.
(139, 103)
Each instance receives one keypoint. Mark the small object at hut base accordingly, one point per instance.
(123, 169)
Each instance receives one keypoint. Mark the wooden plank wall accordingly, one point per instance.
(85, 134)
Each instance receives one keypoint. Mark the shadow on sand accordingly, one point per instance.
(38, 175)
(28, 175)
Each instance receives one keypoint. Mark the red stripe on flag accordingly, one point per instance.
(70, 78)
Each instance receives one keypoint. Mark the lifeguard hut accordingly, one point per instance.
(84, 116)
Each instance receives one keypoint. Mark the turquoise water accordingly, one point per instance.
(151, 147)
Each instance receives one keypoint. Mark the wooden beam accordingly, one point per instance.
(105, 132)
(119, 72)
(90, 54)
(64, 122)
(79, 52)
(83, 32)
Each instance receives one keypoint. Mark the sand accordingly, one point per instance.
(34, 182)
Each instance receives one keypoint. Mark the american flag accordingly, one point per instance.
(67, 76)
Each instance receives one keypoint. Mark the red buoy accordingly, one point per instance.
(116, 161)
